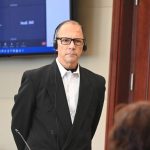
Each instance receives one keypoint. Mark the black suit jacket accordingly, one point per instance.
(41, 111)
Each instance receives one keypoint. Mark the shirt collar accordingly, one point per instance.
(63, 71)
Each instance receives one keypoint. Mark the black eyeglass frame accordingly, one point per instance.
(75, 41)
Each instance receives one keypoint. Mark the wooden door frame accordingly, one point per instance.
(120, 59)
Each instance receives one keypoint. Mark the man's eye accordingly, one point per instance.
(78, 41)
(66, 40)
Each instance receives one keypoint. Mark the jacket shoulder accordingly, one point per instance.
(92, 76)
(38, 71)
(37, 76)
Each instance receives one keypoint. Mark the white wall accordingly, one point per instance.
(96, 17)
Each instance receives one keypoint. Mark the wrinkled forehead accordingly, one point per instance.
(70, 29)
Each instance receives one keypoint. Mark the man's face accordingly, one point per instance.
(69, 54)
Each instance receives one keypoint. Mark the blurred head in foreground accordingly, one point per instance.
(131, 130)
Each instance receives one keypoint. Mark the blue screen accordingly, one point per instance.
(27, 26)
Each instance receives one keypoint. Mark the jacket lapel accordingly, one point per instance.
(56, 89)
(82, 107)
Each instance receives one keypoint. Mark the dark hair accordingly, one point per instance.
(131, 130)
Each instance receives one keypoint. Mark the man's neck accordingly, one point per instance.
(72, 70)
(69, 66)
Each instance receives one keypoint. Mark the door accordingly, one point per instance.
(141, 52)
(129, 74)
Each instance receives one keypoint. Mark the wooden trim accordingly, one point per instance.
(113, 66)
(120, 59)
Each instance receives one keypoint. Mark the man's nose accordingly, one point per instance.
(72, 44)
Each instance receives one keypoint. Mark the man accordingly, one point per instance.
(58, 106)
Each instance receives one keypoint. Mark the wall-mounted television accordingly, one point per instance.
(27, 26)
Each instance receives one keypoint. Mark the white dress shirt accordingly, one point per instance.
(71, 84)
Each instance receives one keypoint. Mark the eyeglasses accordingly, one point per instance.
(67, 41)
